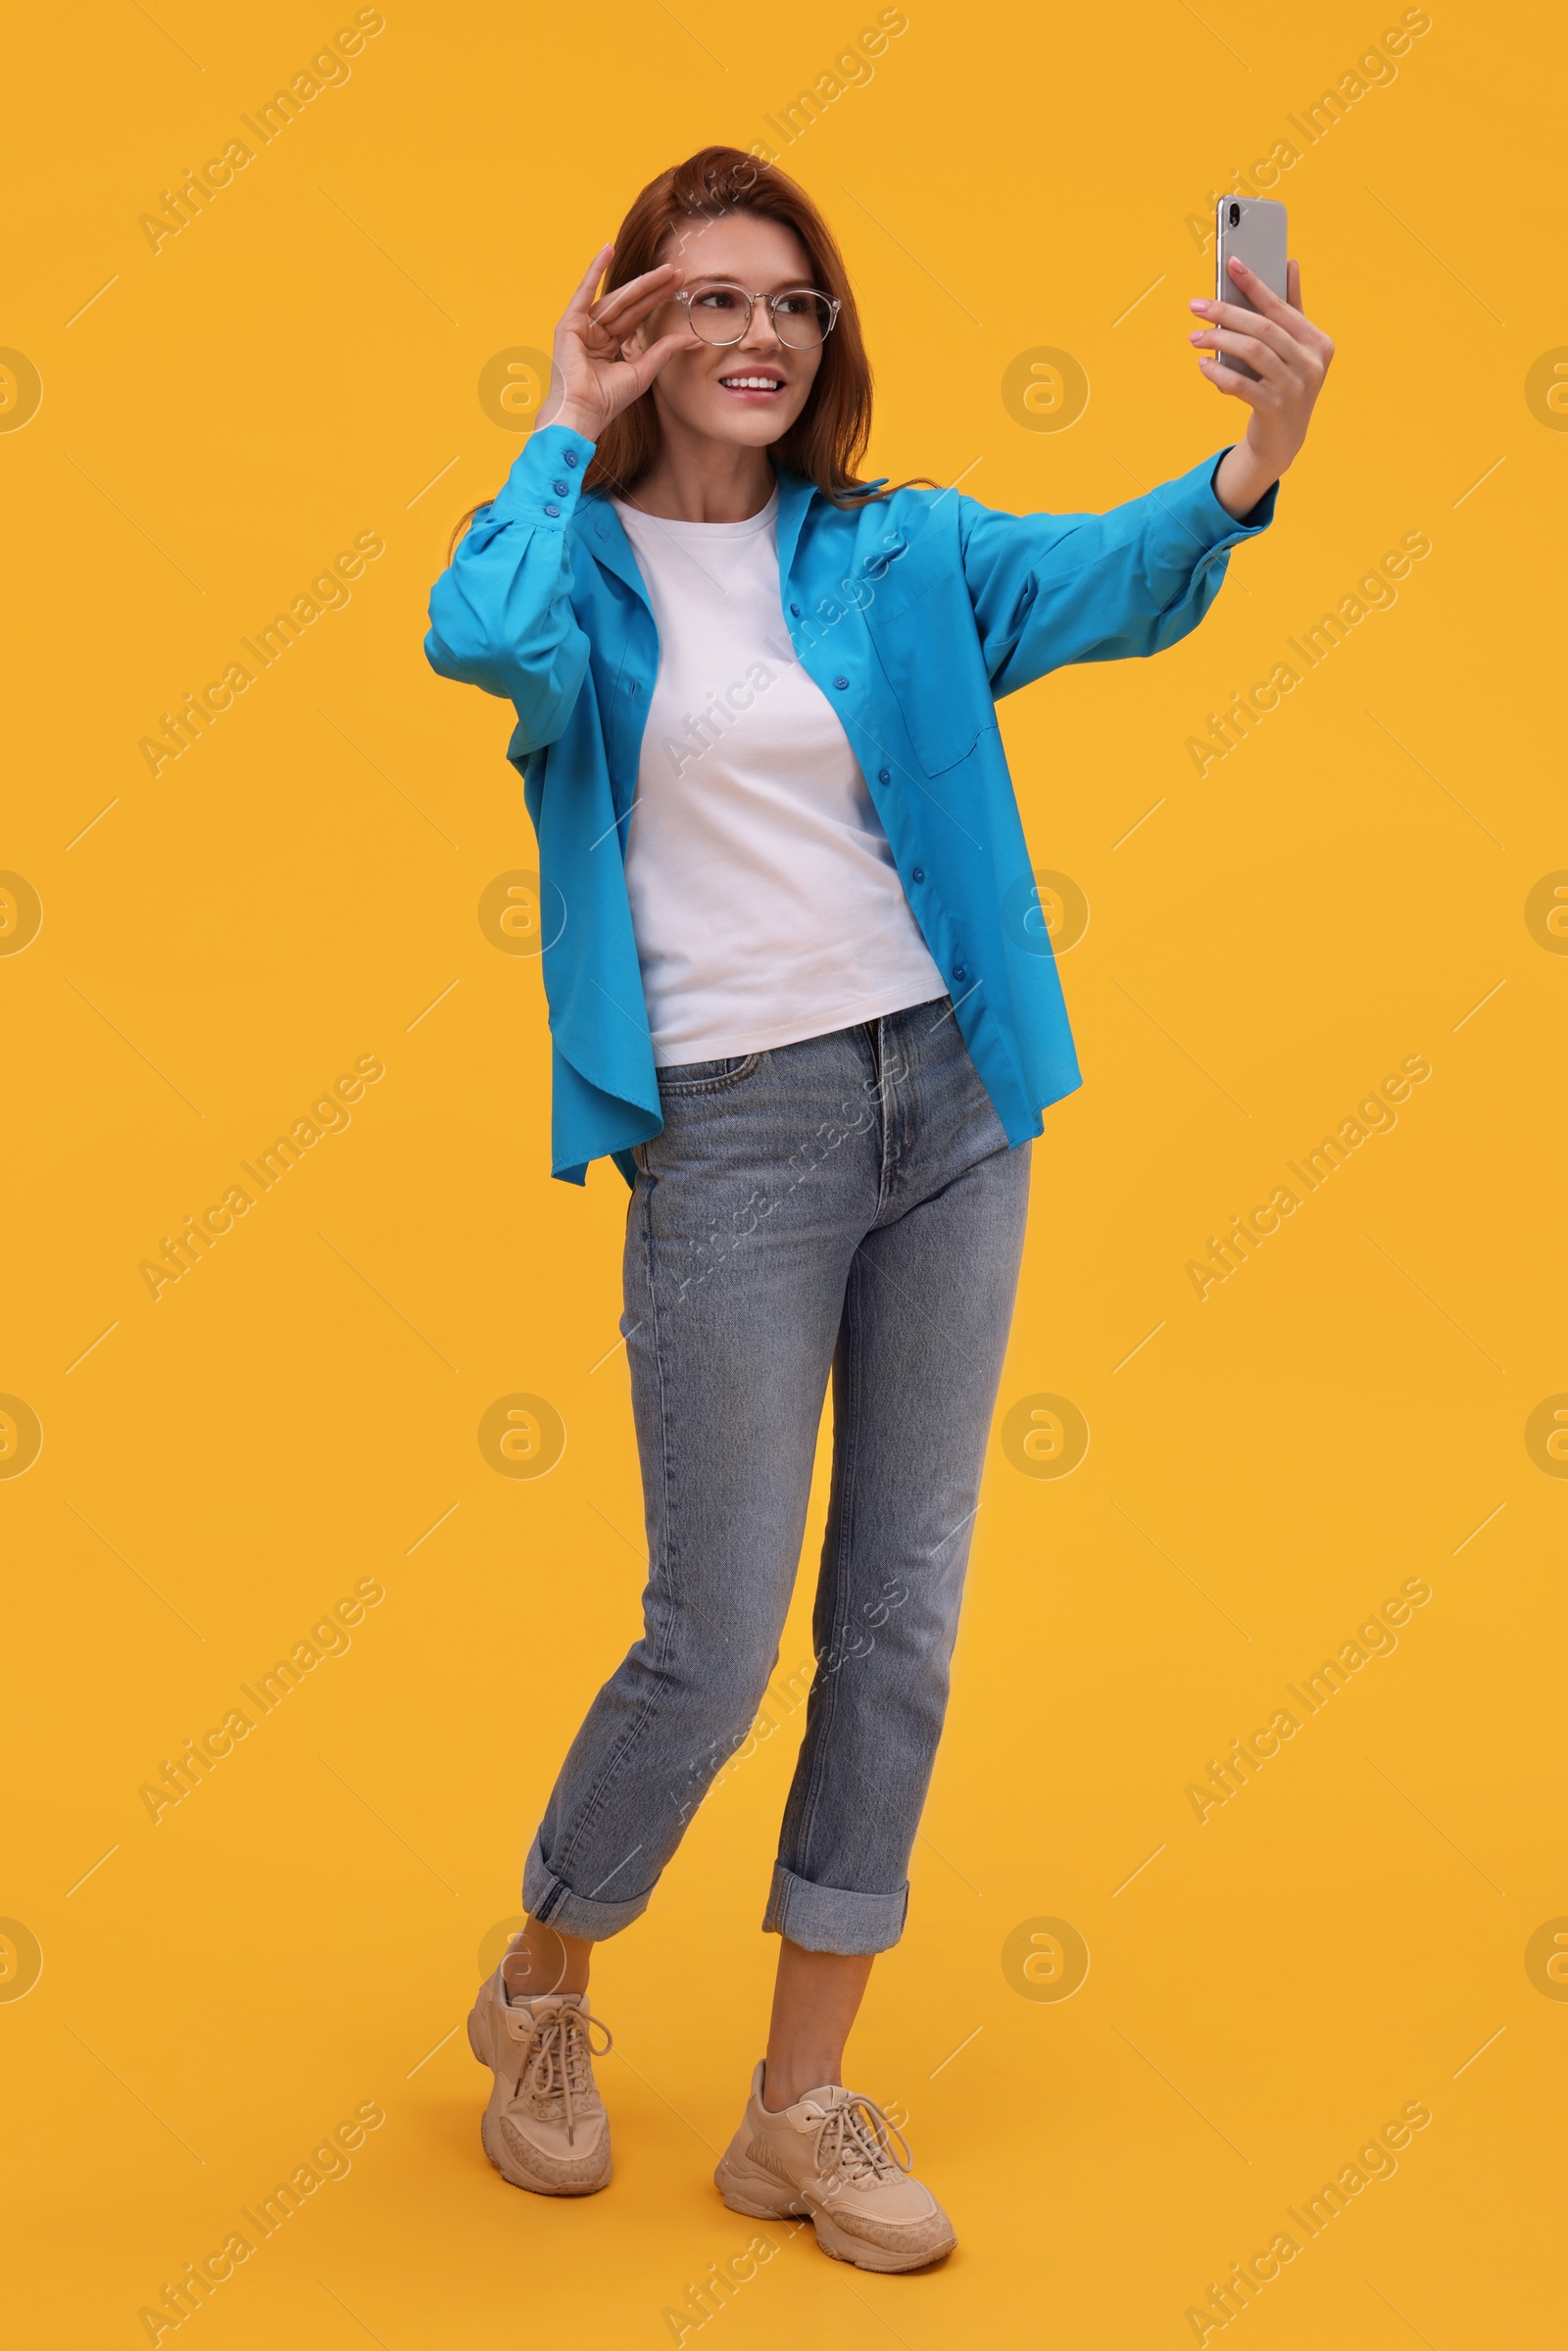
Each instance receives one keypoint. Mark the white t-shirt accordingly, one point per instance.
(764, 894)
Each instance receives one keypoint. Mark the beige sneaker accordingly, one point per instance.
(545, 2127)
(832, 2155)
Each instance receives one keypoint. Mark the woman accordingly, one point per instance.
(796, 992)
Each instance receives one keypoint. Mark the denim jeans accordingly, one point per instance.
(847, 1206)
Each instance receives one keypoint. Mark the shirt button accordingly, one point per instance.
(960, 972)
(550, 508)
(561, 488)
(884, 775)
(841, 684)
(571, 457)
(918, 874)
(796, 609)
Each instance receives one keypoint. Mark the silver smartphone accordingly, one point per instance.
(1253, 230)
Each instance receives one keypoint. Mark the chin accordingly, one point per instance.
(748, 428)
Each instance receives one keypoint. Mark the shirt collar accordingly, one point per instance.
(611, 548)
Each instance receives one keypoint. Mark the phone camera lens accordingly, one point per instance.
(1236, 216)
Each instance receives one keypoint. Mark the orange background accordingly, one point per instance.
(300, 1414)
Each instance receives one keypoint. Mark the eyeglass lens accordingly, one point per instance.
(723, 313)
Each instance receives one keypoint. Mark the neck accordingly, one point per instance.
(697, 480)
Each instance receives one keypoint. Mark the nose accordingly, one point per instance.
(761, 334)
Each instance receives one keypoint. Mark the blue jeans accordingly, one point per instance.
(848, 1205)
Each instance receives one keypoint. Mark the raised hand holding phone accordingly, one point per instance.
(1267, 353)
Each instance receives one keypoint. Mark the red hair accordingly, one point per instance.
(827, 440)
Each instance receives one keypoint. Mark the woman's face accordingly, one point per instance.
(749, 392)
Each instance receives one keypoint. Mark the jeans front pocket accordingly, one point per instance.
(706, 1077)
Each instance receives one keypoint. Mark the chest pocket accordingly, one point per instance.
(923, 628)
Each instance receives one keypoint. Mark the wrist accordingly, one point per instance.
(1242, 479)
(573, 418)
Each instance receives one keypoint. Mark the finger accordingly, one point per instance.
(590, 278)
(646, 365)
(625, 321)
(1241, 320)
(1272, 306)
(1263, 297)
(635, 289)
(1292, 284)
(1226, 379)
(1257, 352)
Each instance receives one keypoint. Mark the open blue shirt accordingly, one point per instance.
(914, 614)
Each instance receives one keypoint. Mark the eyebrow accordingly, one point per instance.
(715, 277)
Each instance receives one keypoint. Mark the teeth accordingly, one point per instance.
(752, 383)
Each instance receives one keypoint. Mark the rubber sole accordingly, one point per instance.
(536, 2187)
(747, 2189)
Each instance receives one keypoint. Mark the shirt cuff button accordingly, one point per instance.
(571, 457)
(550, 508)
(842, 683)
(561, 488)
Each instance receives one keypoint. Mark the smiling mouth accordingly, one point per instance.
(752, 383)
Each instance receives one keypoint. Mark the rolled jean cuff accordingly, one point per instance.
(548, 1899)
(827, 1917)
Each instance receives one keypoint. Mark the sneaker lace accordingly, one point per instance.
(558, 2073)
(860, 2143)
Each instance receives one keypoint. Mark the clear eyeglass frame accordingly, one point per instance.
(827, 318)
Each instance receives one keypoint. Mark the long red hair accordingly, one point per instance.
(828, 439)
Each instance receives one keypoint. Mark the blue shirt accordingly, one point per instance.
(914, 614)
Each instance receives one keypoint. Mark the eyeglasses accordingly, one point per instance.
(722, 315)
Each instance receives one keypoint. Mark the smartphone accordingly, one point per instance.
(1253, 230)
